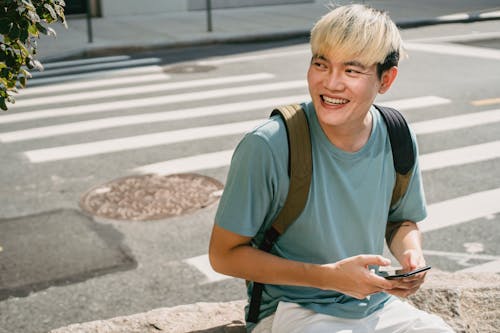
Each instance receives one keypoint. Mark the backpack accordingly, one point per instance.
(300, 173)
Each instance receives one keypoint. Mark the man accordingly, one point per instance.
(319, 275)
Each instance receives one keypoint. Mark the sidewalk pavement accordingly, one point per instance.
(122, 34)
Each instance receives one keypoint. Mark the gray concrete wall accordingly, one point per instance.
(201, 4)
(134, 7)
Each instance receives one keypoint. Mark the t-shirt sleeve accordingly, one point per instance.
(250, 187)
(412, 206)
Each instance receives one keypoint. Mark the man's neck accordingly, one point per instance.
(350, 138)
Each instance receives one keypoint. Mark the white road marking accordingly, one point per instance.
(151, 101)
(494, 14)
(252, 57)
(463, 209)
(433, 161)
(120, 72)
(489, 101)
(112, 122)
(189, 164)
(140, 141)
(141, 89)
(473, 36)
(202, 263)
(91, 84)
(417, 102)
(455, 50)
(456, 122)
(65, 70)
(489, 267)
(457, 16)
(460, 156)
(80, 62)
(461, 255)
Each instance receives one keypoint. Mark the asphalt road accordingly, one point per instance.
(61, 265)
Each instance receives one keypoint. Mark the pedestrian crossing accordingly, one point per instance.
(87, 98)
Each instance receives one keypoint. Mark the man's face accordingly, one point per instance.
(342, 92)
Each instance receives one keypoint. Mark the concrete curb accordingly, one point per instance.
(104, 50)
(468, 302)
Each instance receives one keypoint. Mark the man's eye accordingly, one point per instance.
(352, 71)
(319, 64)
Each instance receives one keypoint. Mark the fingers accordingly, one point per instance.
(406, 287)
(373, 260)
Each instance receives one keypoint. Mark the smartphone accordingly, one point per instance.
(408, 274)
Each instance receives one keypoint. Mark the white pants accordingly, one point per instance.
(396, 317)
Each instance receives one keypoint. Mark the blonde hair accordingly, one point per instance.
(357, 32)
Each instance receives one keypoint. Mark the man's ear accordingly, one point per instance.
(388, 77)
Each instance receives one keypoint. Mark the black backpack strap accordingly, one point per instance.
(403, 156)
(300, 172)
(400, 138)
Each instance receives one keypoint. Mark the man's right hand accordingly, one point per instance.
(352, 276)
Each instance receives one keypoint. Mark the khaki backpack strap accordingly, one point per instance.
(299, 165)
(300, 172)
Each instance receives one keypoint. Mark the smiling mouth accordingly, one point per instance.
(334, 101)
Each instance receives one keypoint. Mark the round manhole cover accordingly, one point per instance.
(187, 69)
(151, 197)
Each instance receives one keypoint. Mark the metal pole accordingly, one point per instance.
(89, 22)
(209, 15)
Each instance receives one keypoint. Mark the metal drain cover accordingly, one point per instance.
(151, 197)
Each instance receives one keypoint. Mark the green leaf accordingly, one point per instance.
(33, 30)
(51, 32)
(23, 48)
(41, 28)
(14, 32)
(33, 17)
(22, 81)
(5, 25)
(51, 10)
(26, 73)
(3, 106)
(28, 5)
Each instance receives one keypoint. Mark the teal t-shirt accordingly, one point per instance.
(345, 215)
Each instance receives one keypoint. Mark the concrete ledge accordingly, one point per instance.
(468, 302)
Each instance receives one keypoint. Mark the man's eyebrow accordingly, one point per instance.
(354, 63)
(320, 57)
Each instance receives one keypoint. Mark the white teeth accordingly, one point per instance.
(334, 100)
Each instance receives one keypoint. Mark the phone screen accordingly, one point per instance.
(408, 274)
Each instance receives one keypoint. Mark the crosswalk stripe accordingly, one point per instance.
(459, 210)
(432, 161)
(189, 164)
(489, 267)
(91, 84)
(417, 102)
(441, 215)
(145, 102)
(119, 72)
(456, 122)
(202, 263)
(90, 125)
(80, 62)
(460, 156)
(66, 70)
(461, 255)
(136, 90)
(456, 50)
(140, 141)
(111, 122)
(251, 57)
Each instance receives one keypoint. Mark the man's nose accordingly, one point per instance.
(334, 81)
